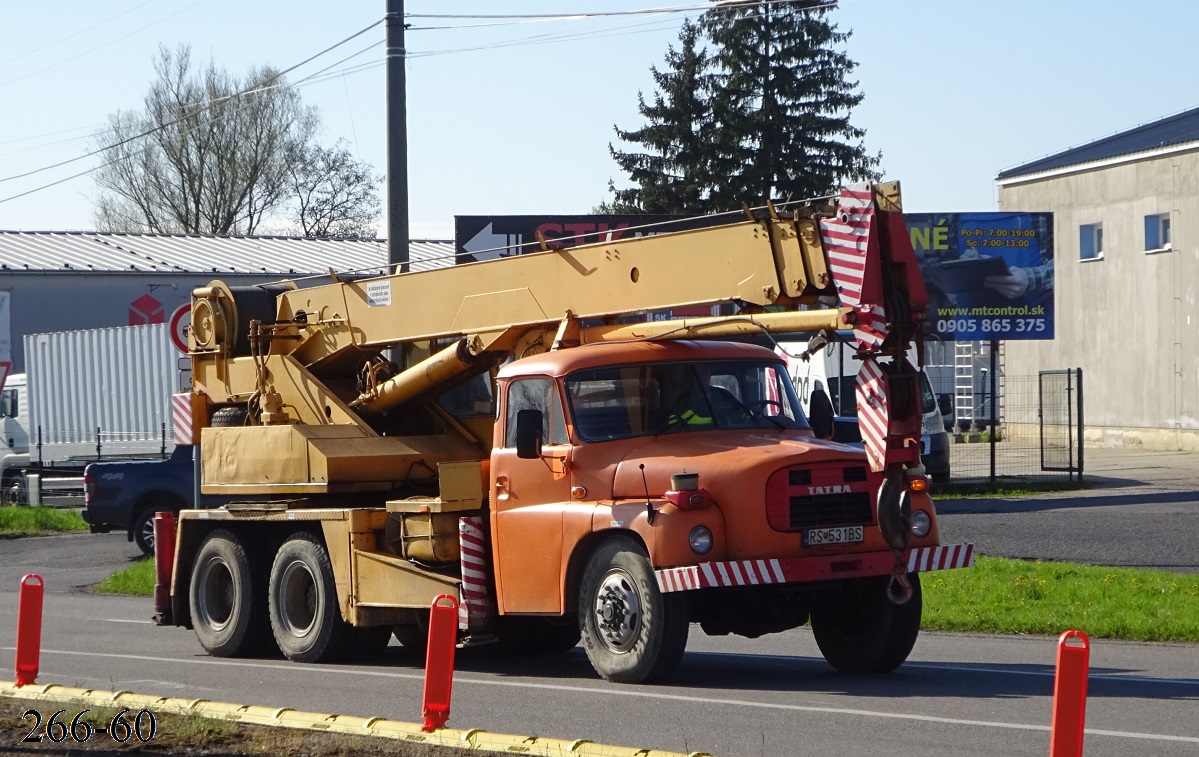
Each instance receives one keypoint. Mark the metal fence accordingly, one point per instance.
(1024, 427)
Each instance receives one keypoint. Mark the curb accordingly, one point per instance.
(284, 717)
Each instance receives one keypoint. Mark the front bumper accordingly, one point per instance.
(810, 569)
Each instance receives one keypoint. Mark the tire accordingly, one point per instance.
(227, 598)
(529, 635)
(143, 531)
(143, 524)
(305, 616)
(633, 633)
(941, 477)
(862, 631)
(229, 416)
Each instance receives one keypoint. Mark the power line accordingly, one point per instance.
(720, 5)
(74, 34)
(60, 62)
(264, 86)
(310, 79)
(566, 16)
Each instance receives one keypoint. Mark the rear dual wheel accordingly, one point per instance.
(227, 597)
(304, 613)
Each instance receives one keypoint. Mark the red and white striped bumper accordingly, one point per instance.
(804, 569)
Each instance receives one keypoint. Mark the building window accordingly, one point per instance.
(1090, 241)
(1157, 232)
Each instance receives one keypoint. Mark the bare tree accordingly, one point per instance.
(207, 154)
(334, 194)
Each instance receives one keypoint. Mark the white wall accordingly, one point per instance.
(1130, 319)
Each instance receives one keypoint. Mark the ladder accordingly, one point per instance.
(963, 384)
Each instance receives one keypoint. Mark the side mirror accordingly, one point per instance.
(528, 434)
(821, 414)
(945, 404)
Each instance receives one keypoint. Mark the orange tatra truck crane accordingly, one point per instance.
(498, 432)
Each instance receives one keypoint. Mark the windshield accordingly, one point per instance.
(639, 400)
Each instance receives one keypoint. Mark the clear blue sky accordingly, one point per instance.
(517, 118)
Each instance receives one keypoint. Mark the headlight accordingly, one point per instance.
(701, 540)
(921, 524)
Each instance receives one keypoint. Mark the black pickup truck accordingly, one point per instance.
(125, 495)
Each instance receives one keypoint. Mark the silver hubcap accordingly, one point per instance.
(297, 599)
(216, 594)
(618, 611)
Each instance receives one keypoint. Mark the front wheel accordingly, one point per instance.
(305, 616)
(861, 631)
(633, 633)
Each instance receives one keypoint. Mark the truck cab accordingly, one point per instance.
(696, 454)
(14, 439)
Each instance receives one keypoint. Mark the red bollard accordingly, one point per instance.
(29, 628)
(164, 564)
(1070, 695)
(439, 661)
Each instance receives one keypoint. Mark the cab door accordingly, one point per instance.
(528, 498)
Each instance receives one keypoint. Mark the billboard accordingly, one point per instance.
(989, 275)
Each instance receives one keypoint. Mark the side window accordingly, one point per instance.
(535, 394)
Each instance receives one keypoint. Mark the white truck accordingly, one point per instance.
(829, 364)
(95, 394)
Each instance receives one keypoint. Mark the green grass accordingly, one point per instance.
(1007, 596)
(1003, 488)
(137, 579)
(36, 521)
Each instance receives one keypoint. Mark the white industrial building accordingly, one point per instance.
(1127, 278)
(64, 281)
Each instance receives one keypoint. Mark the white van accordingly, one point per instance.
(833, 369)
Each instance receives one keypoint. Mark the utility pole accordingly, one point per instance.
(397, 141)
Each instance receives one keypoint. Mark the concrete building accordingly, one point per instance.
(63, 281)
(1127, 279)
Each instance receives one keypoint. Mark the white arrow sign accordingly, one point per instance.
(487, 245)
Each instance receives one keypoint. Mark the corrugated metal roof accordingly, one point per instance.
(187, 253)
(1170, 131)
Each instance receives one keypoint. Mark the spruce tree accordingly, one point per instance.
(783, 104)
(759, 109)
(670, 176)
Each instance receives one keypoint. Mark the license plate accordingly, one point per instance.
(816, 537)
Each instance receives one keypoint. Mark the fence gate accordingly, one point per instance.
(1059, 395)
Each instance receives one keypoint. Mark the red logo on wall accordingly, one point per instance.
(146, 309)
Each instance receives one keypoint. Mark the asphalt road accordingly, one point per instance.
(1139, 510)
(985, 695)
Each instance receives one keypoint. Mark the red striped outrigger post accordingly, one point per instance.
(475, 610)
